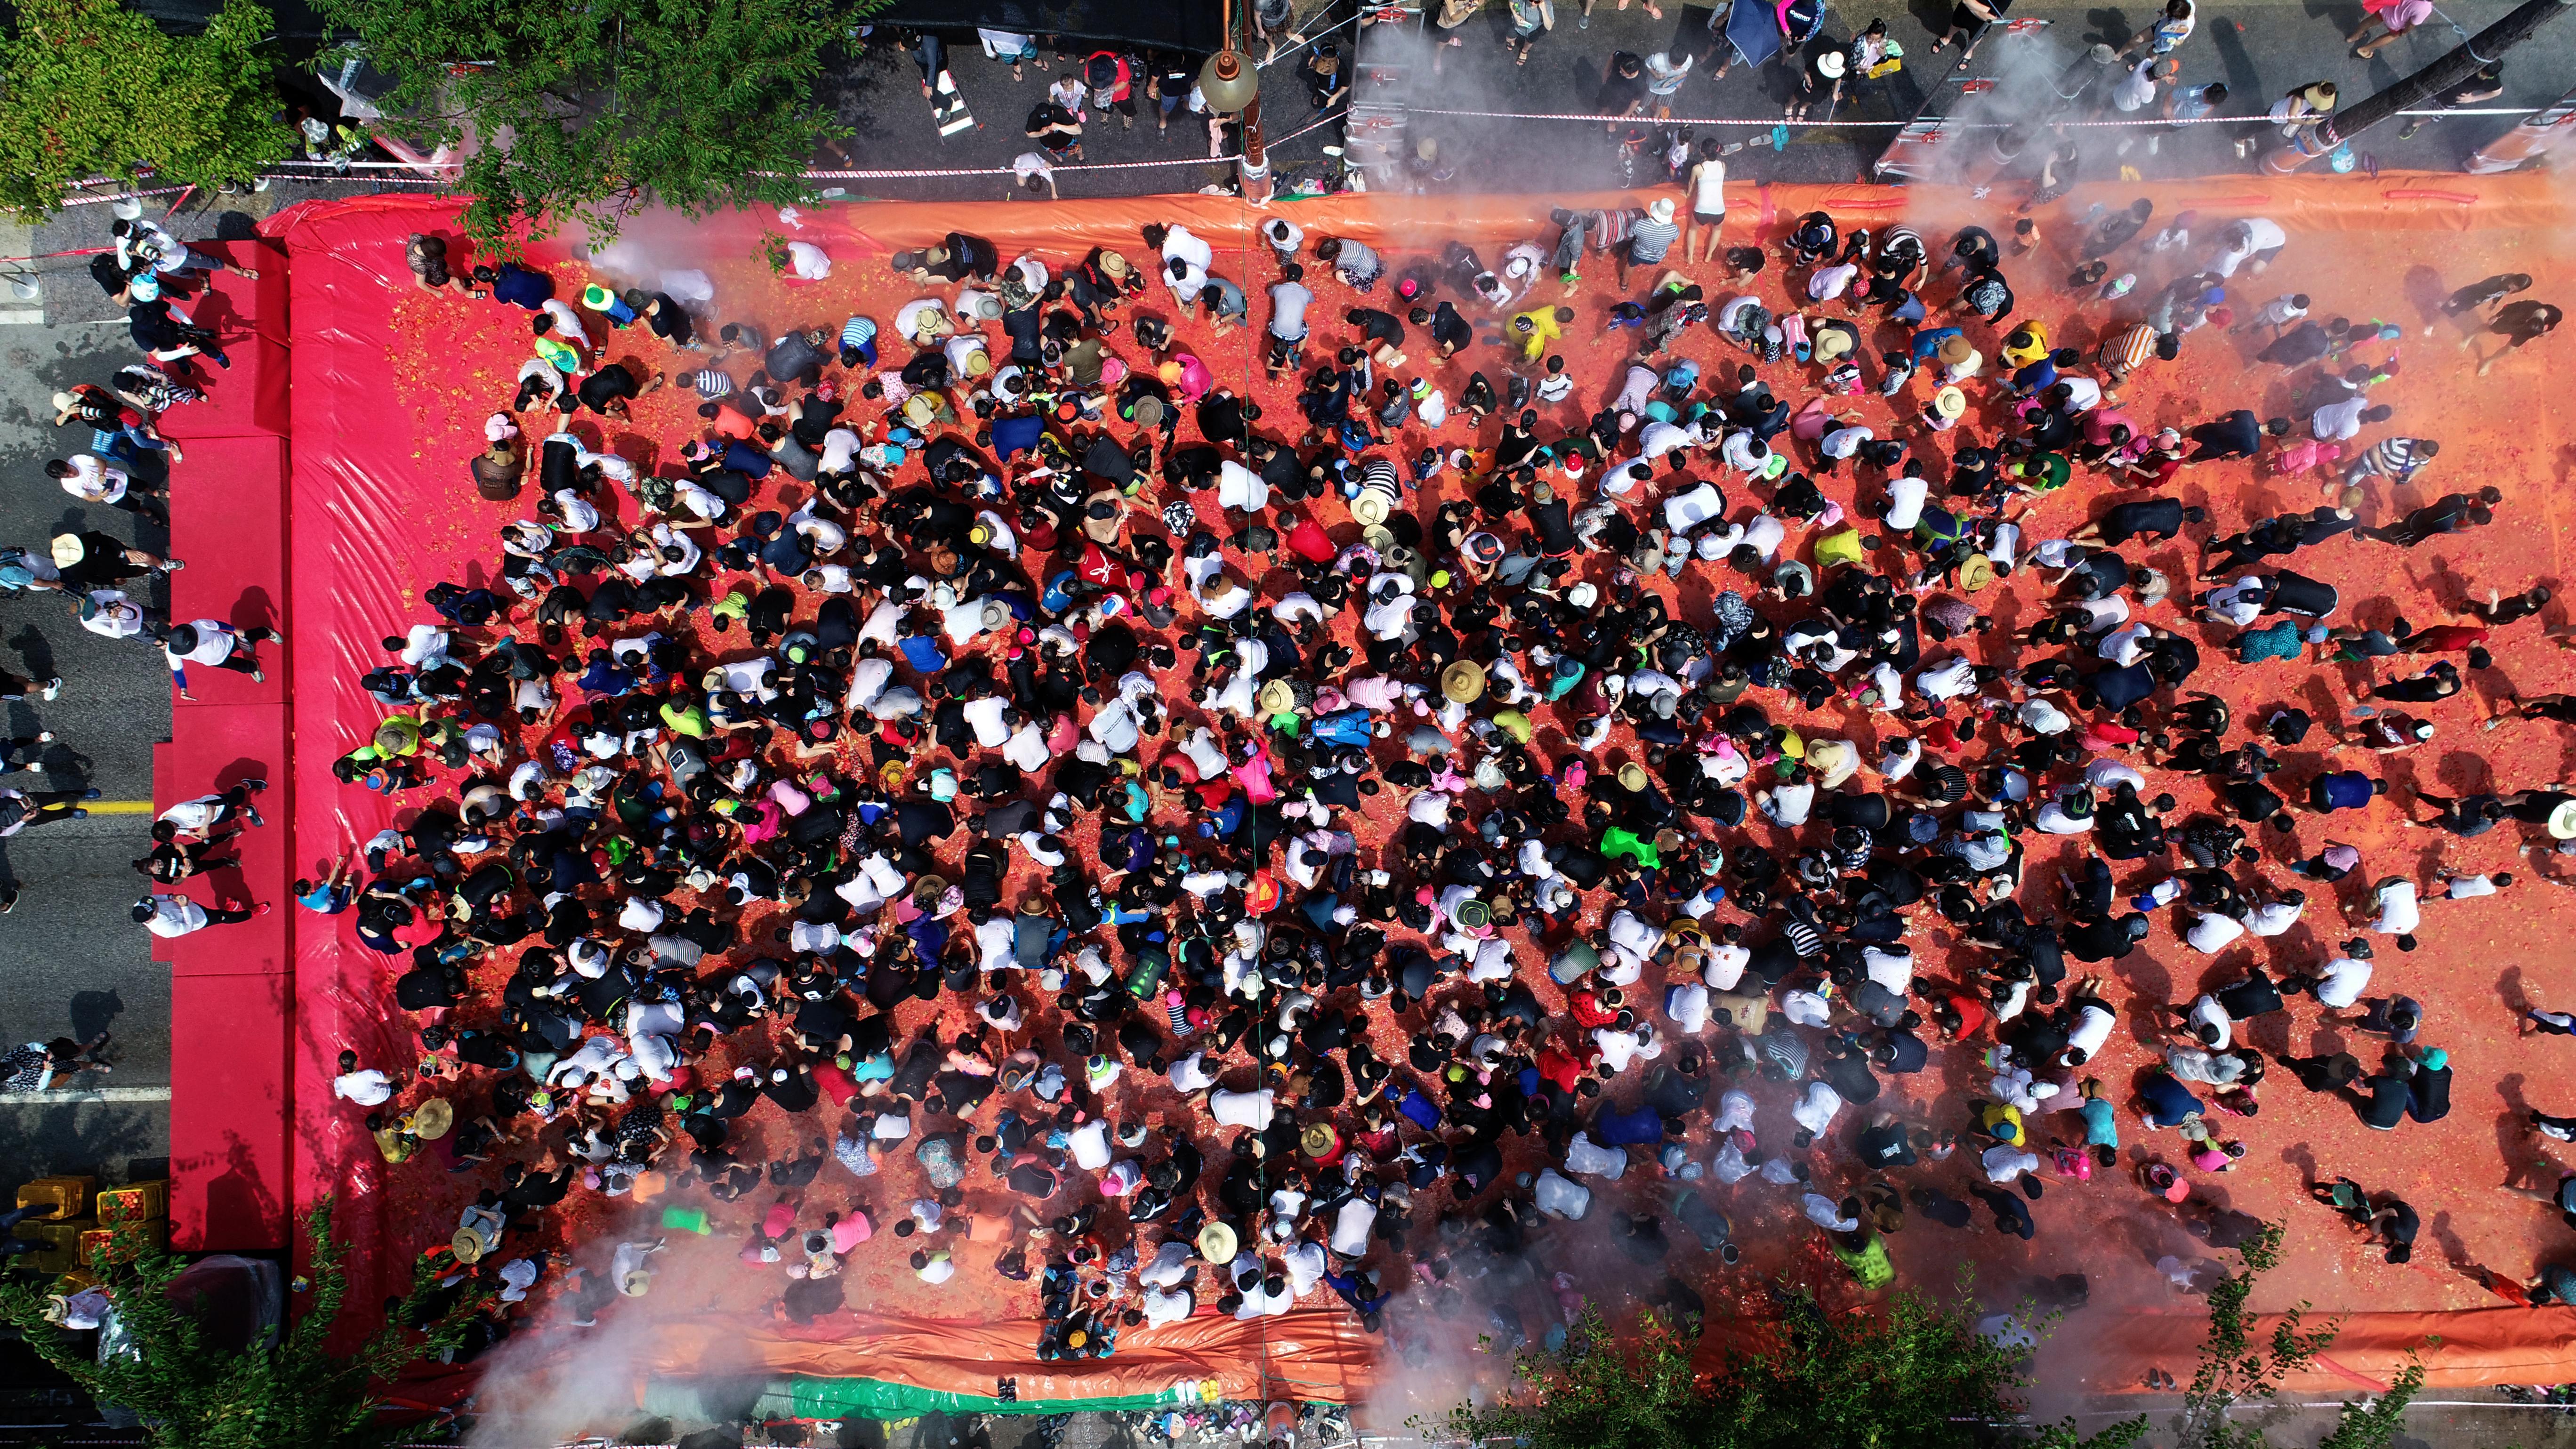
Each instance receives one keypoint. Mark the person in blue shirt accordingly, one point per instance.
(517, 285)
(2166, 1102)
(331, 895)
(2343, 790)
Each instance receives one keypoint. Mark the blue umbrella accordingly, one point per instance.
(1754, 30)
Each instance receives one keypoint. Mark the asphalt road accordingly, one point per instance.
(70, 962)
(2259, 48)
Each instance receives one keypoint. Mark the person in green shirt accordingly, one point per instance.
(1618, 842)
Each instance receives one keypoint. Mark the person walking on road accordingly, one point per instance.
(175, 915)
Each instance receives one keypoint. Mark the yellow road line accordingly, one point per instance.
(119, 807)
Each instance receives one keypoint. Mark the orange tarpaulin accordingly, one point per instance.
(2396, 201)
(1323, 1354)
(2470, 1348)
(1308, 1354)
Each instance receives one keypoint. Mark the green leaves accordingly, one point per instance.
(2234, 1372)
(1911, 1372)
(583, 114)
(294, 1392)
(90, 88)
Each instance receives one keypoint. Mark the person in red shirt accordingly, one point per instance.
(1588, 1010)
(1557, 1066)
(1960, 1014)
(2444, 638)
(1308, 541)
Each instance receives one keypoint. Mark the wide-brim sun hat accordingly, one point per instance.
(1217, 1243)
(2562, 821)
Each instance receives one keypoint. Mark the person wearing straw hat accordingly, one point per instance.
(1960, 360)
(1648, 241)
(1827, 66)
(1948, 405)
(1217, 1243)
(628, 1268)
(478, 1233)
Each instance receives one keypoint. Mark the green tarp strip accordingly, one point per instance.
(809, 1398)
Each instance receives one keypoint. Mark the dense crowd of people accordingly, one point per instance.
(1200, 861)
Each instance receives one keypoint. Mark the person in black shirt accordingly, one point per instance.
(1884, 1145)
(607, 390)
(168, 334)
(524, 1191)
(1054, 128)
(2232, 435)
(2449, 513)
(958, 255)
(1381, 329)
(667, 319)
(1449, 330)
(2387, 1100)
(2152, 518)
(1900, 1052)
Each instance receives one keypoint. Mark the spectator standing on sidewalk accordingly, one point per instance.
(2485, 84)
(2168, 33)
(2391, 18)
(20, 809)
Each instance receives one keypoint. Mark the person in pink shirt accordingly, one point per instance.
(2105, 430)
(1188, 377)
(2391, 18)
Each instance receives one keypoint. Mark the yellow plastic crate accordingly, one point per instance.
(57, 1244)
(61, 1197)
(134, 1203)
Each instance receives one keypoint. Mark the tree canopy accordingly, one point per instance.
(189, 1392)
(1912, 1371)
(581, 113)
(90, 88)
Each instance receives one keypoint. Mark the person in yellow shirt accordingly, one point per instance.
(1538, 327)
(2026, 344)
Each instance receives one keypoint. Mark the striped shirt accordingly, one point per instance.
(710, 383)
(2394, 458)
(2128, 351)
(1649, 239)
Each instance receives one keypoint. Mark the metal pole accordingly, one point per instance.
(1254, 169)
(2488, 46)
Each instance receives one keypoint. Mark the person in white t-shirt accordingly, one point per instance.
(175, 915)
(1036, 173)
(216, 644)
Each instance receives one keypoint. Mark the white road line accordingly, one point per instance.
(102, 1094)
(26, 316)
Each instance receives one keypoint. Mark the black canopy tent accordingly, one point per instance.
(1197, 26)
